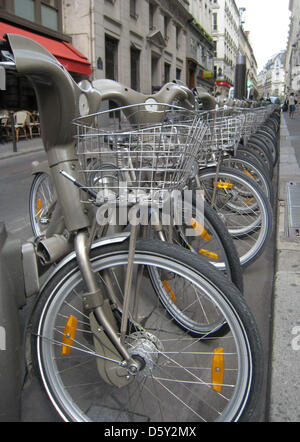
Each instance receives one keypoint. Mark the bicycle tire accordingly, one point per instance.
(39, 202)
(211, 240)
(262, 150)
(254, 170)
(250, 154)
(67, 379)
(257, 232)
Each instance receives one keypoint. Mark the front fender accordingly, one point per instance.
(113, 239)
(40, 167)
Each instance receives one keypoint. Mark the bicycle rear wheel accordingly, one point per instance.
(42, 199)
(203, 379)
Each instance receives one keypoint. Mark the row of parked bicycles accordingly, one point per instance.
(146, 215)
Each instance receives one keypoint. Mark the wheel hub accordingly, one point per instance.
(144, 348)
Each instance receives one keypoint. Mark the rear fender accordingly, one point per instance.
(40, 167)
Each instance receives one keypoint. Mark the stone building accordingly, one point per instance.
(140, 43)
(292, 56)
(200, 47)
(225, 31)
(271, 81)
(245, 49)
(42, 21)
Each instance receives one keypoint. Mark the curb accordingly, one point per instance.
(4, 156)
(285, 360)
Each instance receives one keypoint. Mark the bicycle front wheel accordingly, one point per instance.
(183, 377)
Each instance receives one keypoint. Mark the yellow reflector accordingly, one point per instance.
(39, 207)
(170, 291)
(209, 254)
(223, 185)
(217, 369)
(249, 200)
(249, 174)
(69, 335)
(200, 229)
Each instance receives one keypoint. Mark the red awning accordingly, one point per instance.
(65, 53)
(223, 83)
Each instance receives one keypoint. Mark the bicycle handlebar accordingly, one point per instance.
(57, 93)
(61, 99)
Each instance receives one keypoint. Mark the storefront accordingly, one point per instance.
(222, 88)
(19, 93)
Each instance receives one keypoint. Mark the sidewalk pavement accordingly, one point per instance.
(284, 379)
(23, 147)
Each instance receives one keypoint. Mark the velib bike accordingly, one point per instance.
(119, 329)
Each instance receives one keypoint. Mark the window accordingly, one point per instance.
(151, 15)
(132, 11)
(166, 24)
(178, 74)
(25, 9)
(155, 81)
(215, 22)
(49, 17)
(135, 68)
(111, 63)
(111, 58)
(167, 72)
(42, 12)
(178, 37)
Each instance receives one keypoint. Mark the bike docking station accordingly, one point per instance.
(18, 270)
(11, 282)
(10, 339)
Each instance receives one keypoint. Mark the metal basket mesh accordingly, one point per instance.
(119, 155)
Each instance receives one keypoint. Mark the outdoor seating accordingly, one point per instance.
(20, 119)
(4, 124)
(33, 124)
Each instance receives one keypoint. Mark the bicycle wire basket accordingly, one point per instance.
(138, 153)
(254, 118)
(224, 129)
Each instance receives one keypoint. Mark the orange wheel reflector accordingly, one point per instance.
(249, 200)
(209, 254)
(170, 291)
(69, 335)
(39, 207)
(223, 185)
(217, 369)
(249, 174)
(200, 229)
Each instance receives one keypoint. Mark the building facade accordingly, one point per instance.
(201, 46)
(42, 21)
(245, 49)
(225, 32)
(292, 56)
(140, 43)
(271, 81)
